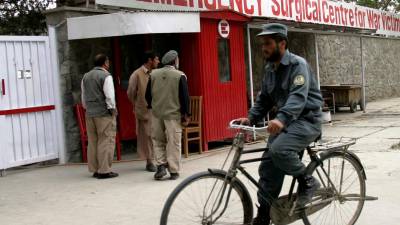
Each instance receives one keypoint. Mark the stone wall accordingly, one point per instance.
(299, 43)
(75, 59)
(382, 67)
(303, 44)
(257, 60)
(340, 63)
(339, 59)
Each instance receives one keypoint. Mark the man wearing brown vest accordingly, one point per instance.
(167, 94)
(98, 98)
(136, 94)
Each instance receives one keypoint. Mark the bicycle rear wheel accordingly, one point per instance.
(207, 198)
(341, 197)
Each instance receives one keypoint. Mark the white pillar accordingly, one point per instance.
(364, 105)
(59, 107)
(250, 65)
(317, 60)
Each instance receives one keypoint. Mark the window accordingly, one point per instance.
(224, 62)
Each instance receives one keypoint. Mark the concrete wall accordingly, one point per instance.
(75, 59)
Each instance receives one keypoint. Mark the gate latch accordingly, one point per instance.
(3, 87)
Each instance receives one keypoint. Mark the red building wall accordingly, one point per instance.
(222, 102)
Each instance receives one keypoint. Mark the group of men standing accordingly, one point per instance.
(160, 101)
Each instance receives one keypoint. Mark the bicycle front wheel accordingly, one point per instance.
(208, 198)
(342, 194)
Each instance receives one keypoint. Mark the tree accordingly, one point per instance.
(23, 17)
(386, 5)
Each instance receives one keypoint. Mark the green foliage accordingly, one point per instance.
(387, 5)
(23, 17)
(396, 146)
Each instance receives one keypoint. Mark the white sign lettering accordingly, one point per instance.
(223, 28)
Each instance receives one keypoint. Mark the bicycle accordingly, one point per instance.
(221, 198)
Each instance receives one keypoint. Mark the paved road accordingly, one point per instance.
(67, 195)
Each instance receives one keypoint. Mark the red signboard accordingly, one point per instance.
(308, 11)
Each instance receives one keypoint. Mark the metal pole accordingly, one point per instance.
(317, 60)
(364, 105)
(250, 66)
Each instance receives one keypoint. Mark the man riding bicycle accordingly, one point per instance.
(288, 85)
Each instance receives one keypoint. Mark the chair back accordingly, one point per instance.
(80, 116)
(195, 110)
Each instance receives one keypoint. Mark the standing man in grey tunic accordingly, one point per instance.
(98, 98)
(168, 96)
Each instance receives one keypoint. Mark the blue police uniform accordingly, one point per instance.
(293, 90)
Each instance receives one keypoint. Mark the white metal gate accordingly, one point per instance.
(28, 118)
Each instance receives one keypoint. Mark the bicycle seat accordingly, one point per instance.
(312, 144)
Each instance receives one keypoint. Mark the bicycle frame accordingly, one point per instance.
(227, 198)
(236, 165)
(238, 148)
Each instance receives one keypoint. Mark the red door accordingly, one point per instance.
(216, 70)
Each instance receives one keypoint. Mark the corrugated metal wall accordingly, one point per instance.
(222, 101)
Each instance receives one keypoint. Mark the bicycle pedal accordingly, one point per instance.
(371, 198)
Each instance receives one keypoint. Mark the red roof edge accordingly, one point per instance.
(227, 14)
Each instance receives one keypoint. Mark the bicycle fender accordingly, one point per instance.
(218, 172)
(352, 155)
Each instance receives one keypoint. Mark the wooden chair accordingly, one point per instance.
(193, 131)
(80, 115)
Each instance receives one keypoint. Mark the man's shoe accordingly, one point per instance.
(174, 176)
(161, 172)
(150, 167)
(95, 175)
(261, 221)
(307, 187)
(263, 217)
(107, 175)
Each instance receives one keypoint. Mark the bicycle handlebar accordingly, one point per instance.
(245, 127)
